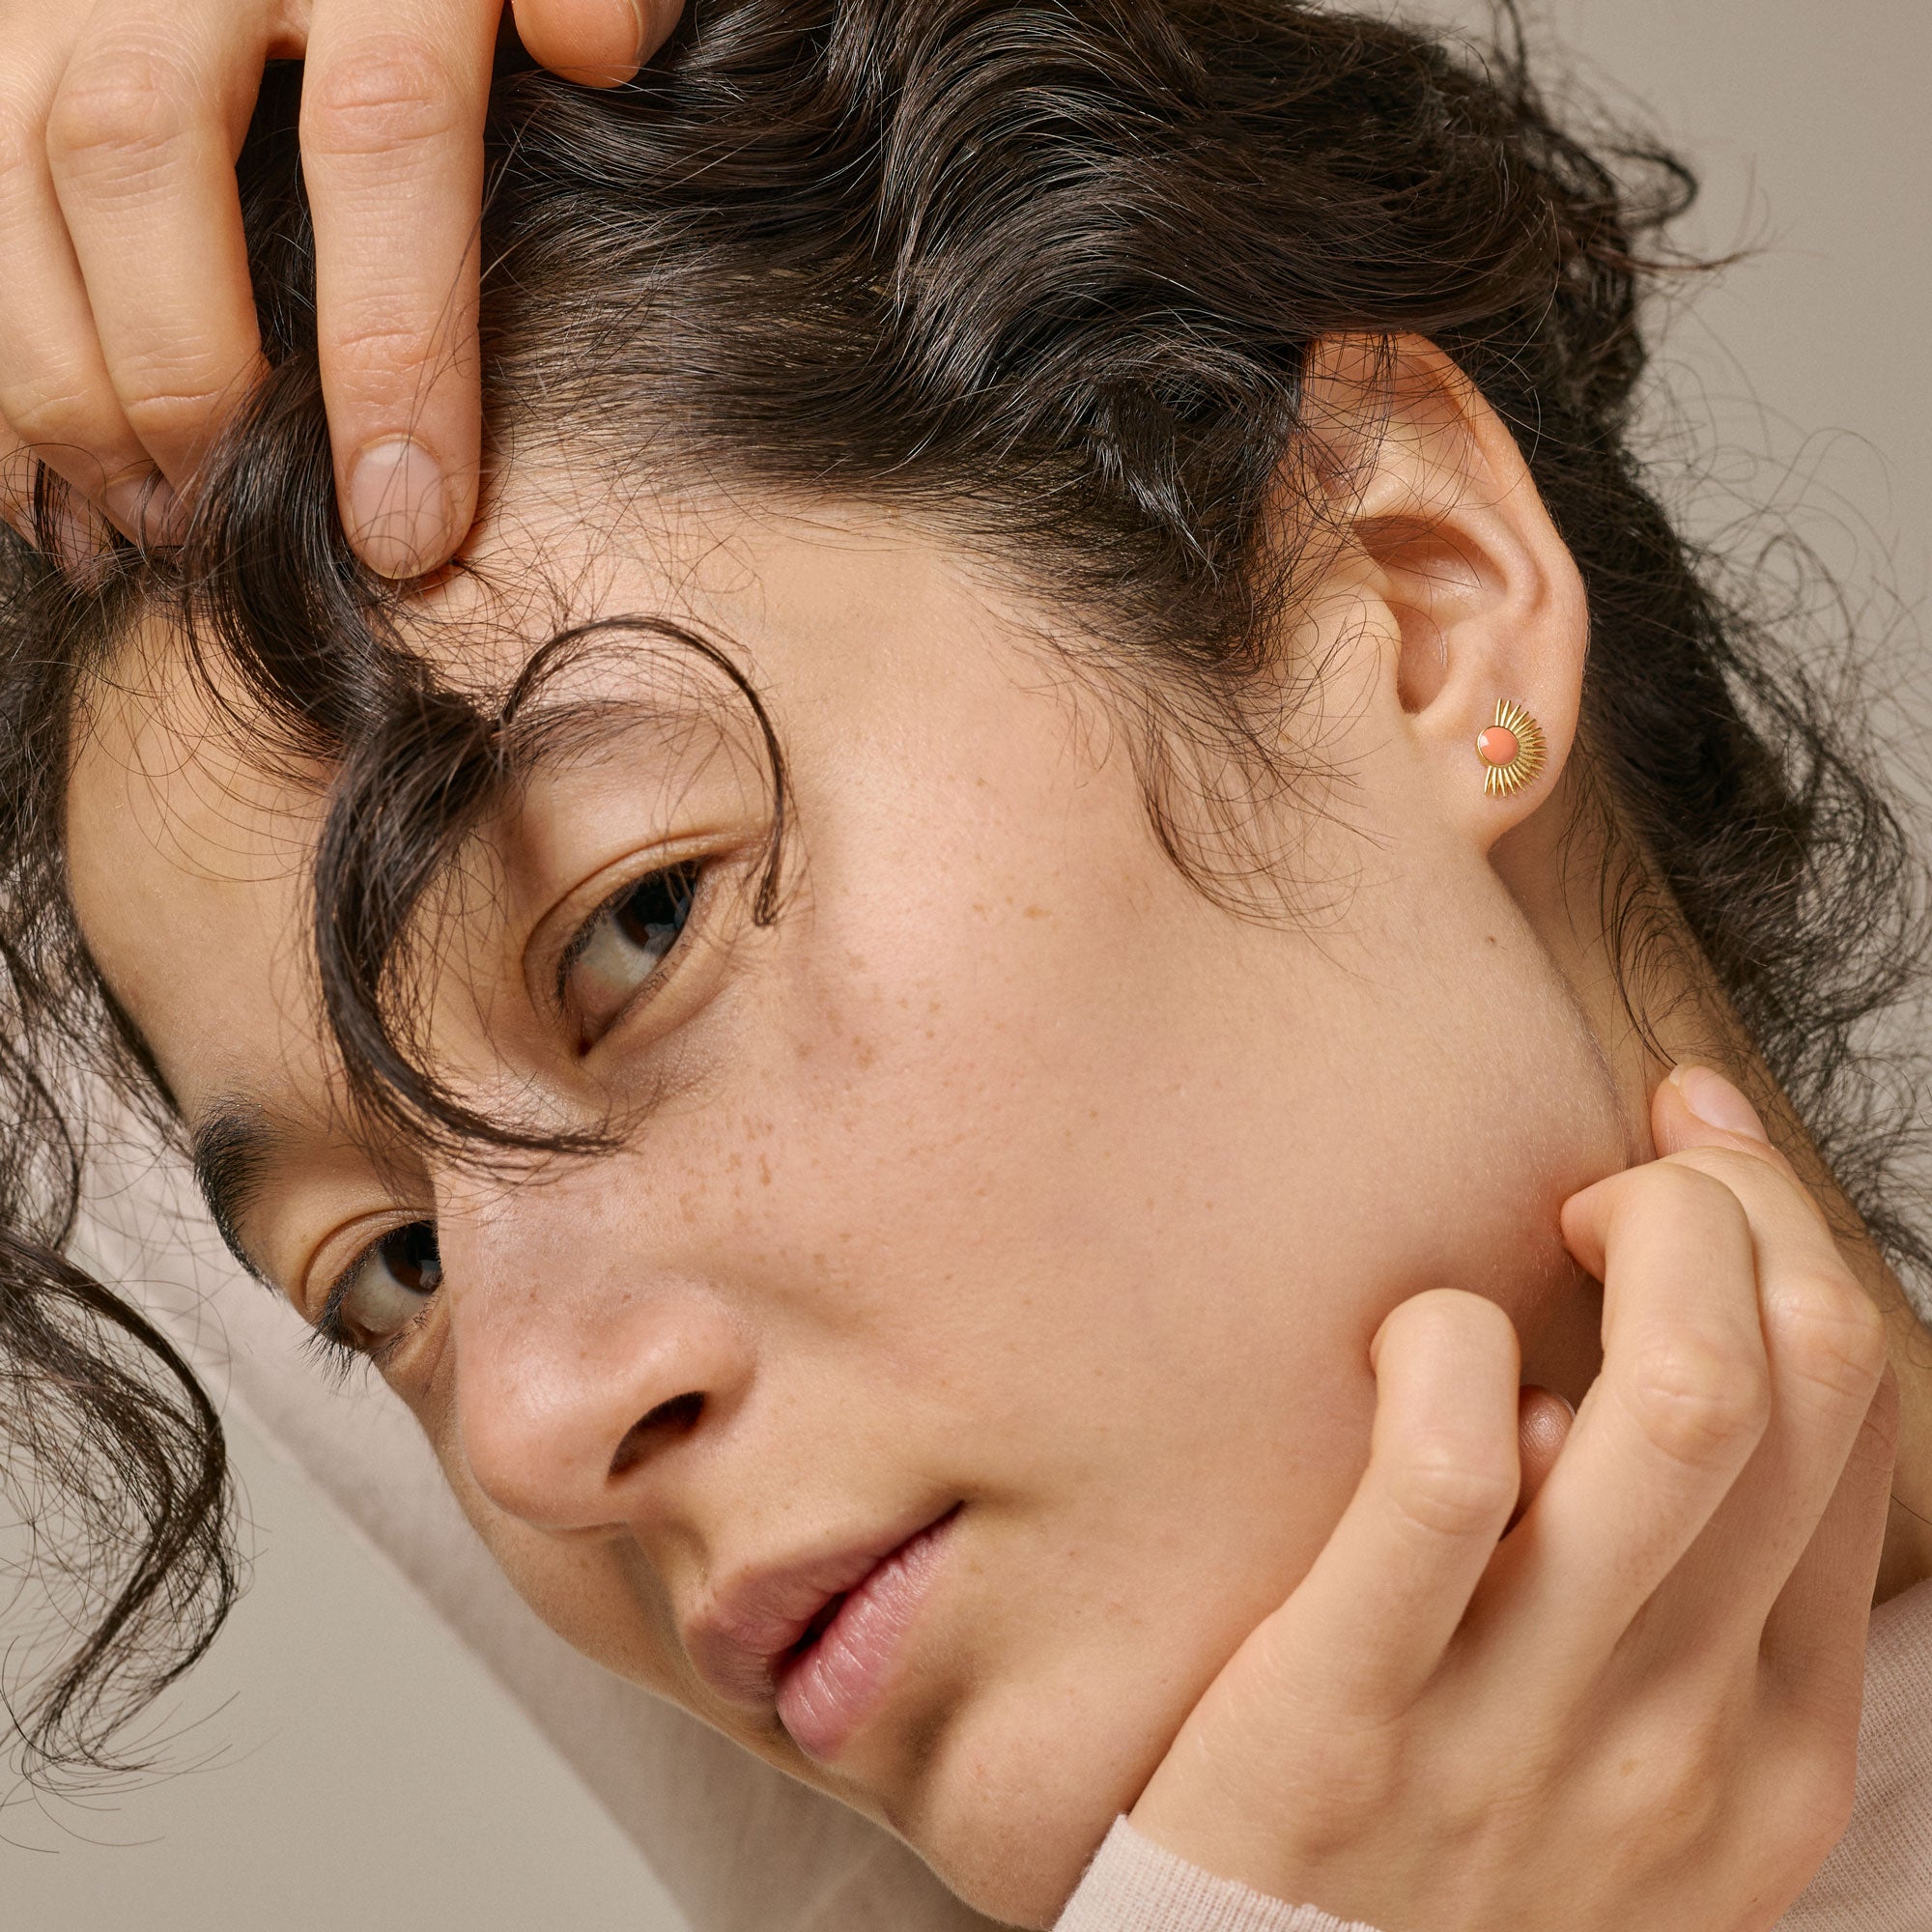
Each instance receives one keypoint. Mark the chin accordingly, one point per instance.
(1020, 1790)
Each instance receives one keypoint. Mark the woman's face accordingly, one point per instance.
(1005, 1203)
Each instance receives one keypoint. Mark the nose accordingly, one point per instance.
(585, 1370)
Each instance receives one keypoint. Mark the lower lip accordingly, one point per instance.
(825, 1694)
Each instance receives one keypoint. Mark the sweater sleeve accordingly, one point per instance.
(1135, 1885)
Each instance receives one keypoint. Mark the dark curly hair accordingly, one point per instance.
(1045, 272)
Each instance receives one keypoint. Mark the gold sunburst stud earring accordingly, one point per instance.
(1511, 748)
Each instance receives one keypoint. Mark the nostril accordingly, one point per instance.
(668, 1420)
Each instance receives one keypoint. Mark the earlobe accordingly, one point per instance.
(1486, 603)
(1512, 749)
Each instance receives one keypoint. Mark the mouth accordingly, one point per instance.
(832, 1681)
(818, 1640)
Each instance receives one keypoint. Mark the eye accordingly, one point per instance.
(623, 943)
(385, 1289)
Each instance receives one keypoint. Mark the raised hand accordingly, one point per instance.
(1639, 1706)
(127, 327)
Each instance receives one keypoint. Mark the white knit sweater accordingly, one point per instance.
(1878, 1880)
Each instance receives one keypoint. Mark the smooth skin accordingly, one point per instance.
(1196, 1260)
(126, 325)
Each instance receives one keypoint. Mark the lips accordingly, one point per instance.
(832, 1682)
(813, 1639)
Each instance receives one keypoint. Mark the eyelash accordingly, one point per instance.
(327, 1342)
(696, 873)
(324, 1343)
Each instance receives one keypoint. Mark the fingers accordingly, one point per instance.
(126, 325)
(1825, 1348)
(60, 524)
(1814, 1636)
(599, 43)
(141, 137)
(1741, 1358)
(1381, 1603)
(393, 100)
(1695, 1101)
(56, 396)
(17, 482)
(1681, 1403)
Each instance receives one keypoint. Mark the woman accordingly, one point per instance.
(1066, 862)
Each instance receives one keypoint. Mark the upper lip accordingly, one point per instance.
(738, 1641)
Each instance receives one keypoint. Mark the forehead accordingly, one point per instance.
(188, 851)
(186, 858)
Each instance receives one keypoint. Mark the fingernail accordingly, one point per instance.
(399, 508)
(1717, 1104)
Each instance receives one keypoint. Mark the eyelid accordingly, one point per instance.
(327, 1321)
(702, 864)
(326, 1331)
(549, 931)
(586, 932)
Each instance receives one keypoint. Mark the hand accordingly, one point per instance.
(1640, 1705)
(126, 325)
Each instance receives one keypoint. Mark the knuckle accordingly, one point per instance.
(1453, 1489)
(1687, 1184)
(1697, 1402)
(1680, 1782)
(1832, 1334)
(1717, 1163)
(166, 399)
(383, 343)
(1690, 1800)
(117, 103)
(23, 142)
(16, 492)
(48, 416)
(383, 93)
(1657, 1824)
(1763, 1175)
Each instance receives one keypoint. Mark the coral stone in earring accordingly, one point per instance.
(1511, 750)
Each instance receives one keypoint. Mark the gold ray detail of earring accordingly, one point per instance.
(1511, 748)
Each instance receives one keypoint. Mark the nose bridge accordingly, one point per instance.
(580, 1356)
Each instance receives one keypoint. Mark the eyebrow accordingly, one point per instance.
(231, 1147)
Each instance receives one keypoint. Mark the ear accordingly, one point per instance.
(1440, 524)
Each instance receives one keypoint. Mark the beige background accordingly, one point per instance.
(356, 1767)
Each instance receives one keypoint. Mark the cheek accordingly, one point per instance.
(593, 1593)
(1088, 1220)
(1115, 1612)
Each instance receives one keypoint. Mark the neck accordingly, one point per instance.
(1558, 882)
